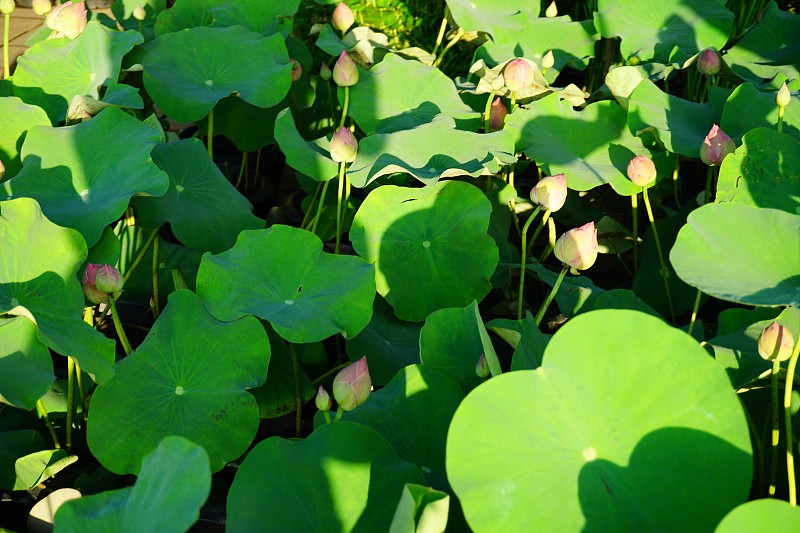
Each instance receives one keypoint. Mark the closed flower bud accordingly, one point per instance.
(323, 400)
(68, 19)
(42, 7)
(139, 13)
(518, 75)
(344, 146)
(342, 17)
(482, 368)
(709, 62)
(550, 192)
(775, 343)
(577, 248)
(7, 6)
(551, 11)
(784, 96)
(497, 115)
(642, 170)
(352, 385)
(297, 70)
(325, 71)
(108, 279)
(716, 146)
(548, 60)
(92, 293)
(345, 72)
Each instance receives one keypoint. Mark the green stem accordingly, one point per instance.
(660, 252)
(709, 179)
(311, 205)
(524, 254)
(442, 30)
(70, 398)
(549, 299)
(457, 37)
(6, 31)
(327, 416)
(339, 206)
(156, 296)
(694, 311)
(551, 240)
(773, 465)
(787, 412)
(675, 174)
(242, 170)
(513, 105)
(298, 398)
(43, 414)
(635, 221)
(140, 255)
(211, 134)
(545, 219)
(780, 118)
(123, 339)
(487, 111)
(339, 413)
(345, 106)
(329, 373)
(319, 206)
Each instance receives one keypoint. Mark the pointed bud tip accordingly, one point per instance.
(345, 71)
(342, 17)
(784, 96)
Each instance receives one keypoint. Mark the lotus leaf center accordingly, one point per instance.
(179, 390)
(590, 454)
(426, 244)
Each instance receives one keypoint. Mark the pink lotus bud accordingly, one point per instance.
(497, 115)
(552, 10)
(139, 13)
(67, 19)
(297, 70)
(352, 385)
(642, 170)
(108, 279)
(482, 368)
(550, 192)
(775, 343)
(323, 400)
(716, 146)
(325, 71)
(709, 62)
(345, 72)
(2, 170)
(7, 6)
(42, 7)
(548, 60)
(577, 247)
(92, 293)
(518, 75)
(344, 146)
(784, 96)
(342, 17)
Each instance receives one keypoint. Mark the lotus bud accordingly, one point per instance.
(297, 70)
(709, 62)
(716, 146)
(550, 192)
(551, 11)
(577, 248)
(108, 279)
(548, 60)
(325, 71)
(775, 343)
(323, 400)
(67, 19)
(352, 385)
(342, 17)
(497, 115)
(784, 96)
(344, 146)
(642, 171)
(518, 75)
(7, 6)
(345, 72)
(42, 7)
(92, 293)
(2, 170)
(482, 368)
(139, 13)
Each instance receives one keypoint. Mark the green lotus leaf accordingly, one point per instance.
(741, 253)
(26, 368)
(577, 294)
(123, 10)
(524, 337)
(282, 275)
(401, 94)
(417, 238)
(412, 412)
(763, 172)
(650, 30)
(13, 445)
(761, 515)
(390, 344)
(626, 421)
(185, 14)
(681, 125)
(312, 158)
(40, 466)
(421, 508)
(260, 16)
(107, 250)
(187, 378)
(492, 16)
(431, 151)
(205, 211)
(16, 119)
(590, 147)
(748, 108)
(51, 72)
(622, 299)
(188, 72)
(769, 51)
(344, 477)
(38, 282)
(174, 482)
(80, 186)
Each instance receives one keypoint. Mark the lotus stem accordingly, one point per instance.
(635, 223)
(551, 240)
(339, 413)
(787, 412)
(457, 37)
(675, 174)
(298, 397)
(6, 31)
(140, 255)
(524, 254)
(327, 417)
(773, 465)
(549, 299)
(545, 220)
(660, 253)
(487, 112)
(345, 106)
(339, 199)
(513, 105)
(442, 29)
(70, 398)
(780, 118)
(311, 205)
(694, 311)
(709, 179)
(242, 170)
(123, 339)
(43, 414)
(156, 296)
(211, 134)
(319, 206)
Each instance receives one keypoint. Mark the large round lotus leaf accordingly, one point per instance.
(187, 72)
(418, 238)
(282, 275)
(763, 172)
(205, 211)
(187, 378)
(51, 72)
(681, 125)
(260, 16)
(343, 477)
(491, 16)
(26, 369)
(771, 47)
(761, 515)
(748, 108)
(185, 14)
(431, 151)
(650, 30)
(173, 484)
(311, 158)
(741, 253)
(591, 147)
(16, 118)
(627, 426)
(78, 183)
(401, 94)
(390, 344)
(38, 282)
